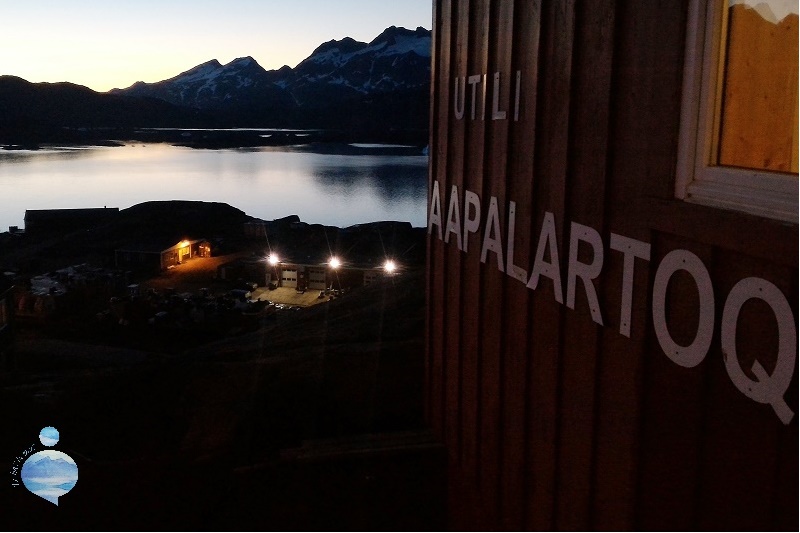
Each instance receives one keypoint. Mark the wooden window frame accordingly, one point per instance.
(763, 193)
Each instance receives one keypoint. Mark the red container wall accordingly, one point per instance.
(551, 420)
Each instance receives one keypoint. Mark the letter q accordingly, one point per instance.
(769, 388)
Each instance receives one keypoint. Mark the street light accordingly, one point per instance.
(273, 259)
(389, 266)
(334, 262)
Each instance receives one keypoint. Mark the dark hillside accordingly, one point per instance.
(350, 366)
(41, 111)
(215, 437)
(148, 222)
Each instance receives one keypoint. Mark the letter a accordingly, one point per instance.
(435, 212)
(490, 242)
(453, 219)
(547, 238)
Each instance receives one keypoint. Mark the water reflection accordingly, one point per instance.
(26, 156)
(389, 180)
(328, 188)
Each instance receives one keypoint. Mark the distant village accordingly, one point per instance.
(168, 275)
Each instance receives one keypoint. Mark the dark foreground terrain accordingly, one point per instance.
(313, 420)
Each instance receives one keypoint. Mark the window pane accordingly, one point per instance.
(758, 114)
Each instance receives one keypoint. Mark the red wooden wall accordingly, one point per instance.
(550, 420)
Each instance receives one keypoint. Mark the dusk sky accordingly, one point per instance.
(104, 45)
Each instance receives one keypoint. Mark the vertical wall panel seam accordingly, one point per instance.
(606, 231)
(430, 266)
(505, 318)
(450, 354)
(481, 275)
(562, 183)
(539, 163)
(454, 16)
(465, 433)
(492, 66)
(564, 222)
(514, 140)
(707, 380)
(439, 380)
(454, 36)
(533, 102)
(644, 404)
(444, 124)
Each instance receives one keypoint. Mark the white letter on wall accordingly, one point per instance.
(769, 388)
(435, 211)
(631, 248)
(496, 113)
(474, 81)
(513, 270)
(693, 354)
(547, 238)
(586, 271)
(459, 111)
(453, 218)
(493, 228)
(483, 97)
(471, 224)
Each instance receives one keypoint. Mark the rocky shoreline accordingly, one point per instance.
(207, 137)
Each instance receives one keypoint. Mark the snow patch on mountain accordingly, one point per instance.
(202, 72)
(333, 56)
(392, 42)
(338, 75)
(406, 44)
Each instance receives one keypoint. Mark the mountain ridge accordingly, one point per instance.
(36, 112)
(344, 74)
(369, 90)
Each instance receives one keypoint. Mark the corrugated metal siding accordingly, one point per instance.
(551, 421)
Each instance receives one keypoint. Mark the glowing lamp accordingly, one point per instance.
(273, 259)
(334, 262)
(389, 266)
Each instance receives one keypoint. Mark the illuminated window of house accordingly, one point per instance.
(739, 125)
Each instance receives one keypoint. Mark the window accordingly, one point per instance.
(739, 127)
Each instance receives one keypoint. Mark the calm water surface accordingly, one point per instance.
(334, 189)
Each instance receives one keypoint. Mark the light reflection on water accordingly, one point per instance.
(330, 188)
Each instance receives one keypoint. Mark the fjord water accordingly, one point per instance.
(339, 189)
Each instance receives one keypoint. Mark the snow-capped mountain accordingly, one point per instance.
(339, 81)
(376, 90)
(206, 85)
(398, 59)
(240, 85)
